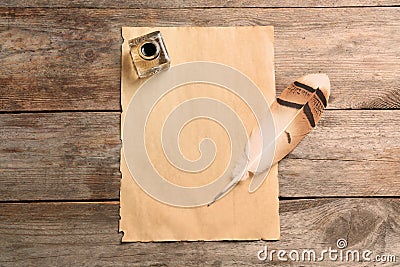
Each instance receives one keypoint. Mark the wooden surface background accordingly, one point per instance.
(60, 133)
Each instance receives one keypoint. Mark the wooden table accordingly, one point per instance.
(60, 129)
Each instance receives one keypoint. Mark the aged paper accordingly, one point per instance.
(237, 216)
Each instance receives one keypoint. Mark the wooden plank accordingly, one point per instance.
(322, 178)
(193, 4)
(59, 156)
(85, 234)
(76, 156)
(69, 59)
(349, 151)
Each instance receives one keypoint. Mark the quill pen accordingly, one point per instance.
(296, 112)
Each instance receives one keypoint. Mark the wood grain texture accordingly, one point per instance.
(349, 151)
(193, 4)
(59, 156)
(84, 234)
(69, 58)
(60, 56)
(76, 156)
